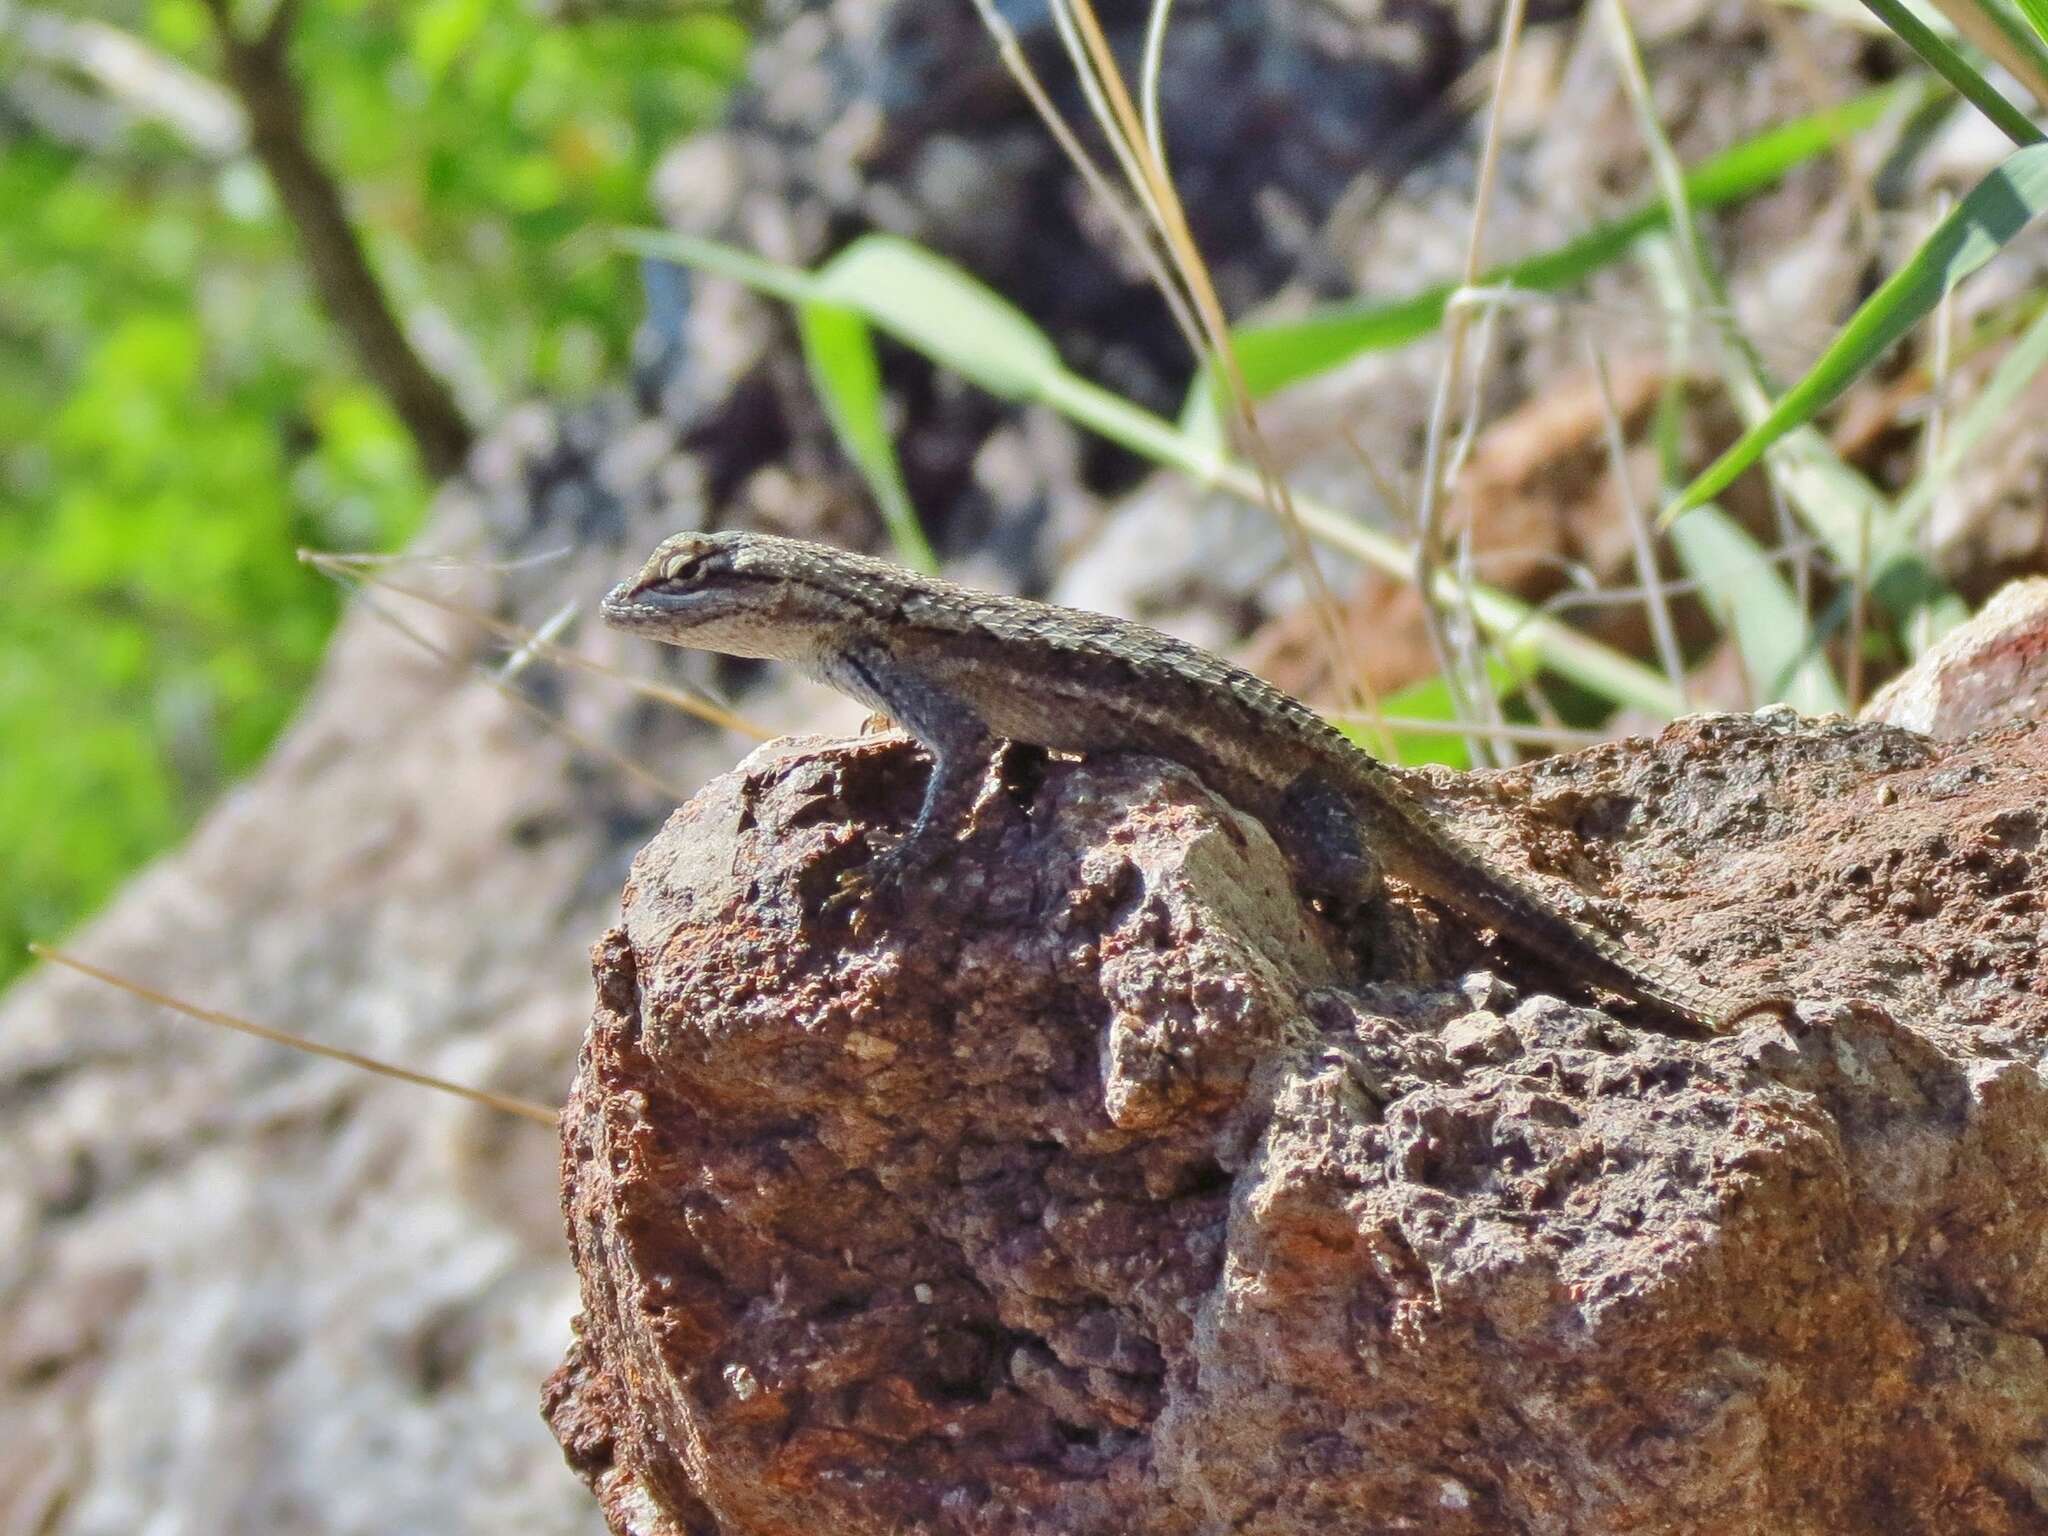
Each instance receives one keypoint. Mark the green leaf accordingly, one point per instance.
(792, 285)
(1283, 353)
(1997, 208)
(840, 353)
(1751, 601)
(928, 303)
(922, 300)
(1431, 698)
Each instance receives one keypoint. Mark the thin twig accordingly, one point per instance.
(259, 72)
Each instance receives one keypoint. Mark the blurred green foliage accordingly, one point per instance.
(177, 417)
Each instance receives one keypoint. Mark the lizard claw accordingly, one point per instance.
(848, 894)
(859, 890)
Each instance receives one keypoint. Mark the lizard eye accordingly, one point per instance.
(679, 566)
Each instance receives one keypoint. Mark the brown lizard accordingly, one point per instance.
(962, 670)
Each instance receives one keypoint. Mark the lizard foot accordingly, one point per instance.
(860, 892)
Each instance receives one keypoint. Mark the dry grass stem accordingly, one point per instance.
(526, 1109)
(1933, 440)
(1104, 87)
(1461, 668)
(1657, 603)
(347, 567)
(1974, 26)
(554, 725)
(1128, 225)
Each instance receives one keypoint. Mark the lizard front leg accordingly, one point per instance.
(1322, 833)
(961, 748)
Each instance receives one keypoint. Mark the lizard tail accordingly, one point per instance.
(1464, 883)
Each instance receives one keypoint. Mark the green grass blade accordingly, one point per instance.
(1947, 60)
(1429, 699)
(1274, 356)
(925, 301)
(1511, 623)
(839, 351)
(1830, 496)
(1750, 600)
(792, 285)
(1997, 208)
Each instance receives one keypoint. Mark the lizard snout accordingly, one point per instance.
(625, 596)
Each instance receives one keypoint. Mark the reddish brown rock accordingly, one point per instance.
(1100, 1187)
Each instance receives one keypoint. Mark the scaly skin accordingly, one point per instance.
(962, 670)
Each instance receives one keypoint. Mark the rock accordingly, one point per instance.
(1988, 670)
(1099, 1187)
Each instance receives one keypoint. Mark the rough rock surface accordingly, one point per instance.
(1097, 1187)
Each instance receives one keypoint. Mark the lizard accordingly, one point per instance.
(964, 670)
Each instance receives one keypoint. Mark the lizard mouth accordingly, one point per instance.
(638, 601)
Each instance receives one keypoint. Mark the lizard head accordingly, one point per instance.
(740, 594)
